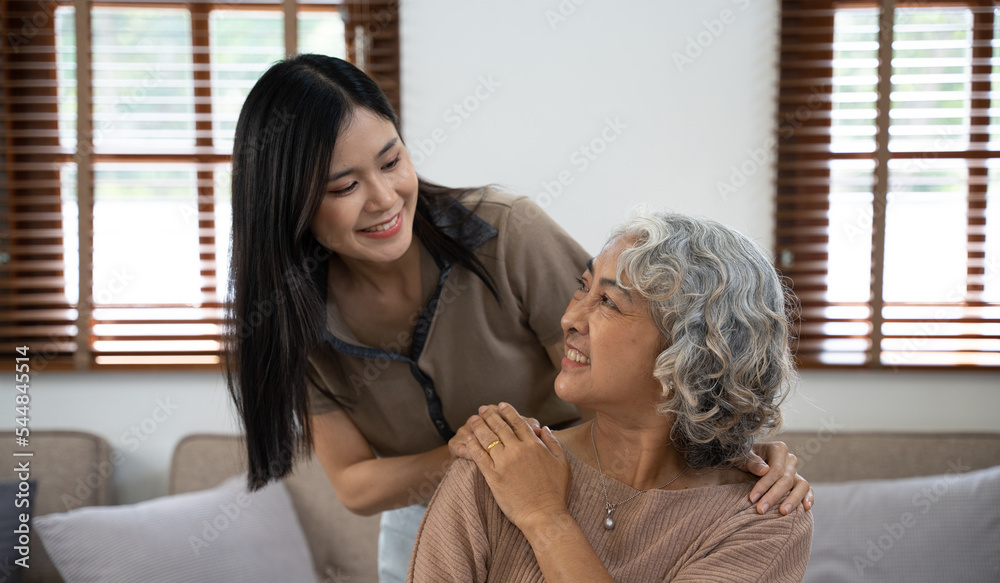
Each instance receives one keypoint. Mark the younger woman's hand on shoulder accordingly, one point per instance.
(527, 472)
(777, 468)
(457, 444)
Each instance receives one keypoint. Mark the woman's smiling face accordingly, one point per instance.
(371, 197)
(611, 341)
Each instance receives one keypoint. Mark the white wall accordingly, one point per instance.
(695, 84)
(556, 83)
(143, 416)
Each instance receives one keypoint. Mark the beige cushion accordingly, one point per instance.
(223, 535)
(344, 546)
(833, 455)
(73, 469)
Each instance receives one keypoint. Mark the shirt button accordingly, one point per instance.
(439, 423)
(429, 393)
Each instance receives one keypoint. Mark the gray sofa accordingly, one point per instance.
(343, 545)
(73, 469)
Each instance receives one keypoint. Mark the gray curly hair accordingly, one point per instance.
(722, 309)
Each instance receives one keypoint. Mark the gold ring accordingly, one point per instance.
(492, 445)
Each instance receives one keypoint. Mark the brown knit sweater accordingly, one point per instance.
(701, 534)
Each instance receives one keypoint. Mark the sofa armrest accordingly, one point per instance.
(204, 461)
(72, 469)
(834, 455)
(344, 546)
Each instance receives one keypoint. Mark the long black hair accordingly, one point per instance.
(285, 139)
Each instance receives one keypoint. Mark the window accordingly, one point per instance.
(118, 132)
(888, 186)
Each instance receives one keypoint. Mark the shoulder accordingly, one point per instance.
(734, 498)
(523, 226)
(785, 538)
(782, 542)
(739, 544)
(463, 480)
(729, 518)
(453, 542)
(490, 195)
(501, 208)
(462, 498)
(463, 471)
(797, 522)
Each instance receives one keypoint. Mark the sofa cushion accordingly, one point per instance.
(221, 535)
(344, 546)
(931, 528)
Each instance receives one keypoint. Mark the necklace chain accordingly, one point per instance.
(609, 523)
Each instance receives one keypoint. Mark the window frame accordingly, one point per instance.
(803, 185)
(32, 262)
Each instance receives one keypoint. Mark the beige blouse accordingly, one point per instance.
(468, 349)
(701, 534)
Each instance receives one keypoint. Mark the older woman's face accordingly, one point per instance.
(611, 342)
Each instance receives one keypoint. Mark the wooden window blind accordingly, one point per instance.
(888, 181)
(118, 119)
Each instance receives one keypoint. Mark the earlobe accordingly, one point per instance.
(668, 389)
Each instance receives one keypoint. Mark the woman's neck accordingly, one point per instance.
(638, 454)
(381, 279)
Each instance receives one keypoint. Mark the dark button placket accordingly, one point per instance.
(472, 231)
(420, 331)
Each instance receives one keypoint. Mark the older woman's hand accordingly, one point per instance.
(777, 468)
(528, 474)
(457, 444)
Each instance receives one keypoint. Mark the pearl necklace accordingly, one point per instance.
(609, 523)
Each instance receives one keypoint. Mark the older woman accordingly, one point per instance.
(677, 338)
